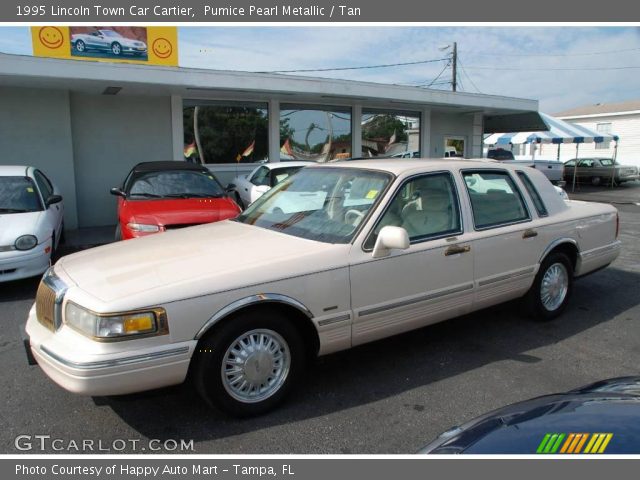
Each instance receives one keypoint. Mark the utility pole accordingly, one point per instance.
(454, 69)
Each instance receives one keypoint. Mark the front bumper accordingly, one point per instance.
(16, 265)
(63, 356)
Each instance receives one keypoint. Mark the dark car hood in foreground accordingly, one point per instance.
(611, 406)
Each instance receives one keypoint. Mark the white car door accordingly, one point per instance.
(508, 241)
(54, 212)
(430, 281)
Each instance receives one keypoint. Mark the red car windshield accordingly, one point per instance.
(174, 184)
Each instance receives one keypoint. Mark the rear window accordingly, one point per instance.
(495, 198)
(533, 193)
(500, 154)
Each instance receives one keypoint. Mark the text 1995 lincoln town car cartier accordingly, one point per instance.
(332, 257)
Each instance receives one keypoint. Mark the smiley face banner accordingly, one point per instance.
(122, 44)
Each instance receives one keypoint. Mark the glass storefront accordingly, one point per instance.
(390, 133)
(315, 133)
(226, 133)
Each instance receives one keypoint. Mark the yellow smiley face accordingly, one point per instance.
(51, 37)
(162, 48)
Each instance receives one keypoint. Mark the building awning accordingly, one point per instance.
(558, 132)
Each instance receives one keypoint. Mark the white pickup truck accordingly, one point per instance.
(552, 169)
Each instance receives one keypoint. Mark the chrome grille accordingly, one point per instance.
(46, 306)
(49, 300)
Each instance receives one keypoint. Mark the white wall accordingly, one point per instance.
(35, 129)
(451, 125)
(110, 135)
(627, 127)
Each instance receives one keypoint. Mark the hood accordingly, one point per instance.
(179, 211)
(195, 261)
(14, 225)
(608, 406)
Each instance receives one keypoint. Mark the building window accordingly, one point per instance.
(390, 133)
(604, 128)
(315, 133)
(226, 133)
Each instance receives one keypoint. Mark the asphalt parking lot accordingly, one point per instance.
(392, 396)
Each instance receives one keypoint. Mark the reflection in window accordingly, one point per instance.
(390, 133)
(317, 134)
(226, 133)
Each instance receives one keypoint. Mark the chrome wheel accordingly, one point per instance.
(554, 287)
(255, 366)
(116, 49)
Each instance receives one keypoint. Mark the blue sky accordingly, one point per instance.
(514, 61)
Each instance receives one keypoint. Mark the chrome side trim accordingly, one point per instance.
(599, 250)
(555, 243)
(508, 276)
(404, 303)
(252, 300)
(60, 289)
(115, 362)
(329, 321)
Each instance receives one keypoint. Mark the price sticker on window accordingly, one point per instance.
(371, 194)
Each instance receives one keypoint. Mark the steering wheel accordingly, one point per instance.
(354, 217)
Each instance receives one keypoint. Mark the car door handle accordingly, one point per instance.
(529, 233)
(456, 249)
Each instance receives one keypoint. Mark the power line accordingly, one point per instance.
(467, 75)
(333, 69)
(428, 84)
(497, 69)
(582, 54)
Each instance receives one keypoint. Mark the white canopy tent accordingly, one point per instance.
(559, 132)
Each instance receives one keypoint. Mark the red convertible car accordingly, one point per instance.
(160, 196)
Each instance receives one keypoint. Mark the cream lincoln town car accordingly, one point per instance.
(335, 256)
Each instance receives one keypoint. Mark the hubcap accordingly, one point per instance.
(554, 287)
(255, 365)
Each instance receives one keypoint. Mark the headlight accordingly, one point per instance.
(26, 242)
(143, 227)
(117, 326)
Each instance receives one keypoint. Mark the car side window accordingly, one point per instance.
(43, 184)
(533, 193)
(426, 207)
(495, 198)
(261, 177)
(588, 163)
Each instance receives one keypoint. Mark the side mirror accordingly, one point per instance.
(118, 192)
(53, 199)
(390, 238)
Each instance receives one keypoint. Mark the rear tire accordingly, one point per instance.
(248, 364)
(548, 296)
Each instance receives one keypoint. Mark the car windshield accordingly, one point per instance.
(175, 184)
(18, 195)
(606, 162)
(323, 204)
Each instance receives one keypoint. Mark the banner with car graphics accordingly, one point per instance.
(121, 44)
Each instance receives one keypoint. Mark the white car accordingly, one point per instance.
(248, 188)
(106, 40)
(31, 224)
(380, 248)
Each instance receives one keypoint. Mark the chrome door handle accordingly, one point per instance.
(529, 233)
(456, 249)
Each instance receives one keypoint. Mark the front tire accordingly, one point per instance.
(248, 365)
(118, 234)
(116, 49)
(596, 181)
(551, 289)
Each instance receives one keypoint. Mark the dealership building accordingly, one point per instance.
(85, 124)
